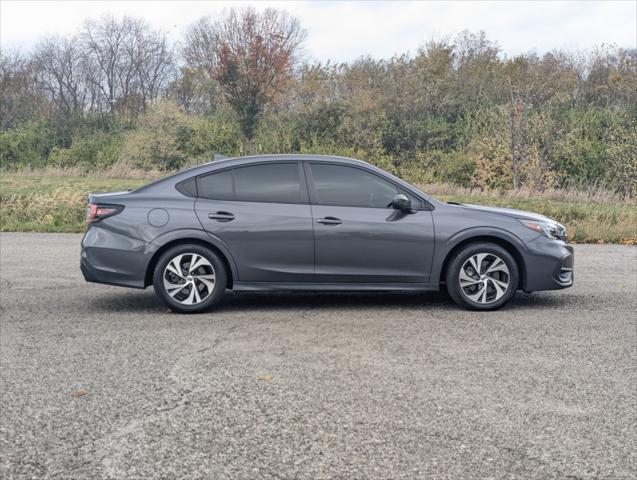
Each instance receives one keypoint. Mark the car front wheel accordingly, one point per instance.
(189, 278)
(482, 276)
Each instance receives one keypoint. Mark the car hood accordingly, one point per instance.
(509, 212)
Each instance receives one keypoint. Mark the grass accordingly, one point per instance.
(48, 201)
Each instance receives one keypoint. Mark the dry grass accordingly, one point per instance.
(47, 201)
(115, 171)
(586, 194)
(54, 200)
(58, 210)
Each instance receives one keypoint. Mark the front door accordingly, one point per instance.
(261, 213)
(358, 237)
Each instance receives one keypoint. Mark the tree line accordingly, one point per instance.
(458, 110)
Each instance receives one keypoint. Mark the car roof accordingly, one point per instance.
(236, 161)
(282, 156)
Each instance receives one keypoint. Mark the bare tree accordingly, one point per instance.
(131, 63)
(250, 54)
(62, 73)
(20, 99)
(152, 58)
(104, 42)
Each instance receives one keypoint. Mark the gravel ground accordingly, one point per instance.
(102, 382)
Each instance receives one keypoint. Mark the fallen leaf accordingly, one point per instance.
(78, 393)
(265, 378)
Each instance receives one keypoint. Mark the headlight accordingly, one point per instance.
(549, 229)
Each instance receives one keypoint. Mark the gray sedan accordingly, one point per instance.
(306, 222)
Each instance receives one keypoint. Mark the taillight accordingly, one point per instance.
(97, 212)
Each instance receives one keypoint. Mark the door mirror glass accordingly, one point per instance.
(402, 203)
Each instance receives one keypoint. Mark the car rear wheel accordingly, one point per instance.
(482, 276)
(189, 278)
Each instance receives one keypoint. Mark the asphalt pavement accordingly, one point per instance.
(102, 382)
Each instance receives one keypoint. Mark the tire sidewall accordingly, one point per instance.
(453, 282)
(220, 278)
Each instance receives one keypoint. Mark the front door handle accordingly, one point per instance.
(330, 221)
(221, 216)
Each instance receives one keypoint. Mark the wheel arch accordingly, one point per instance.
(198, 239)
(510, 245)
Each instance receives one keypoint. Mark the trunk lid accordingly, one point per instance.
(107, 197)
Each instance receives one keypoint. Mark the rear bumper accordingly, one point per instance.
(549, 265)
(114, 259)
(96, 275)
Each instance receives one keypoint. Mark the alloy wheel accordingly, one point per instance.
(484, 278)
(189, 278)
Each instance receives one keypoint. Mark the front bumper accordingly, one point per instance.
(549, 265)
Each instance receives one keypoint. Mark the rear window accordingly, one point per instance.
(217, 186)
(274, 183)
(269, 183)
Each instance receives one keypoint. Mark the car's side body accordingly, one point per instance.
(297, 245)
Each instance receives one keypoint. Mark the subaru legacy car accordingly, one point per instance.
(306, 222)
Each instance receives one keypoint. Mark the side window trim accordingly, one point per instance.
(302, 181)
(304, 186)
(314, 197)
(310, 183)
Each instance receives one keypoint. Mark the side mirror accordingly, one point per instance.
(402, 203)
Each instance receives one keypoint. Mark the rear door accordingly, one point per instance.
(261, 212)
(358, 237)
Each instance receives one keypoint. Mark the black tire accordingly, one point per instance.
(213, 295)
(460, 295)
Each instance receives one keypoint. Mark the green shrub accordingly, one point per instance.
(212, 134)
(168, 139)
(97, 150)
(26, 146)
(455, 167)
(621, 151)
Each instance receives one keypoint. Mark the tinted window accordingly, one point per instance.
(350, 187)
(188, 187)
(217, 186)
(276, 183)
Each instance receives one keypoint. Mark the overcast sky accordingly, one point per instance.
(342, 31)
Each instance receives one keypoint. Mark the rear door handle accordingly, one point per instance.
(221, 216)
(330, 221)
